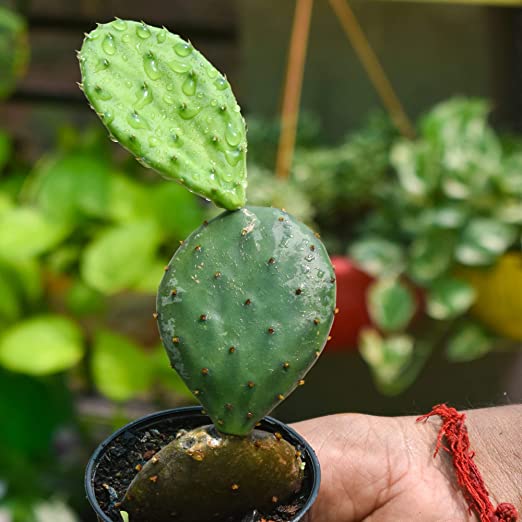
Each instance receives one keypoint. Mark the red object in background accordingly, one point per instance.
(353, 316)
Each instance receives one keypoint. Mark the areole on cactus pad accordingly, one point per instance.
(167, 104)
(244, 310)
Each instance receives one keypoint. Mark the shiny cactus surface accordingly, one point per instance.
(204, 476)
(167, 104)
(244, 310)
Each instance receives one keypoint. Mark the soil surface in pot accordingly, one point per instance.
(125, 456)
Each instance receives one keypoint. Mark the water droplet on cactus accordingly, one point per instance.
(183, 49)
(143, 97)
(151, 66)
(232, 135)
(153, 142)
(126, 38)
(169, 99)
(187, 113)
(143, 31)
(233, 157)
(108, 45)
(161, 36)
(221, 83)
(136, 121)
(213, 103)
(189, 85)
(102, 94)
(119, 24)
(179, 67)
(102, 65)
(108, 117)
(212, 72)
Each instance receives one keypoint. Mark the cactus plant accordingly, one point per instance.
(247, 301)
(163, 101)
(244, 309)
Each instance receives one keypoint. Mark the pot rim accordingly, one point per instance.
(267, 422)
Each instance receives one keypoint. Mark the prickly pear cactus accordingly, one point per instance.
(163, 101)
(204, 476)
(244, 310)
(14, 50)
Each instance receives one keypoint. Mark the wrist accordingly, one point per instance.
(496, 438)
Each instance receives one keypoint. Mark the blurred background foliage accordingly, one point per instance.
(425, 233)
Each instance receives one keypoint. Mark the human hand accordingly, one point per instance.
(382, 469)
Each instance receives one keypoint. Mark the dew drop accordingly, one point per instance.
(136, 121)
(187, 113)
(102, 65)
(108, 44)
(212, 72)
(108, 117)
(183, 49)
(143, 31)
(119, 24)
(151, 66)
(126, 38)
(189, 85)
(153, 142)
(179, 67)
(102, 94)
(161, 36)
(221, 83)
(169, 99)
(232, 135)
(143, 97)
(233, 156)
(213, 103)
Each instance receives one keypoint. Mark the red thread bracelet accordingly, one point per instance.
(469, 478)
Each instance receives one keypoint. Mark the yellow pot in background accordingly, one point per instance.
(499, 295)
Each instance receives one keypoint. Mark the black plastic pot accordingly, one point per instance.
(192, 417)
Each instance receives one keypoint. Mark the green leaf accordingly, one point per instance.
(431, 254)
(67, 187)
(395, 361)
(178, 211)
(449, 297)
(469, 343)
(120, 368)
(25, 232)
(118, 258)
(391, 304)
(378, 257)
(151, 278)
(41, 345)
(484, 240)
(83, 300)
(10, 306)
(6, 203)
(128, 200)
(125, 516)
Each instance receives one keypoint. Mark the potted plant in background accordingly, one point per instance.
(244, 308)
(448, 224)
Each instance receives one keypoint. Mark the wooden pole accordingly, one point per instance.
(373, 67)
(293, 86)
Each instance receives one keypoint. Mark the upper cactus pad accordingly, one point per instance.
(244, 309)
(163, 101)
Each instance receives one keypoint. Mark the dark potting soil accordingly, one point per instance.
(125, 456)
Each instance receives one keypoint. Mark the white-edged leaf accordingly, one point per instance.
(469, 343)
(391, 304)
(378, 256)
(449, 298)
